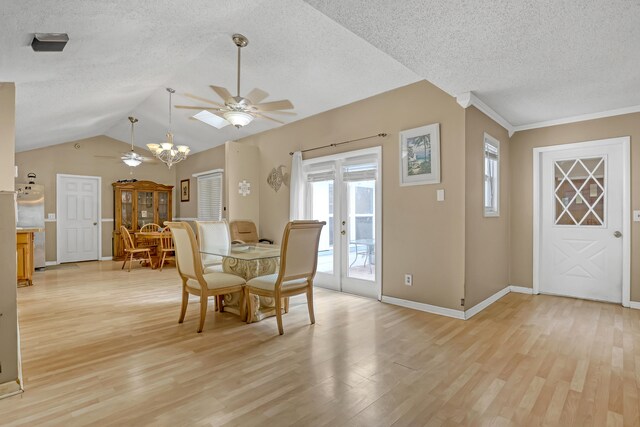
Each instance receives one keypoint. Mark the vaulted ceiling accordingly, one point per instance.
(529, 61)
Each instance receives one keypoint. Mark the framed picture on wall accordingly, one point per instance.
(184, 190)
(420, 155)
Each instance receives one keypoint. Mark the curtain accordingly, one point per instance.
(297, 188)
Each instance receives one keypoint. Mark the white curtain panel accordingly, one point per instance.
(297, 188)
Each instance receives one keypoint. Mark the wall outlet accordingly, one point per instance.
(408, 279)
(636, 216)
(51, 216)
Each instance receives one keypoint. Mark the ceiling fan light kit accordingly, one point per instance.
(237, 110)
(167, 152)
(132, 158)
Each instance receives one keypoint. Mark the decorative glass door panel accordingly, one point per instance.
(127, 209)
(145, 208)
(163, 207)
(579, 187)
(361, 229)
(321, 194)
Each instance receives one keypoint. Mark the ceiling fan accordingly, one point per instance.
(237, 110)
(131, 158)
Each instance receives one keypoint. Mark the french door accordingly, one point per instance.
(344, 190)
(582, 221)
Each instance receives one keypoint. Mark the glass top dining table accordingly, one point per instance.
(245, 252)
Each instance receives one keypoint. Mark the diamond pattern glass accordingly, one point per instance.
(580, 191)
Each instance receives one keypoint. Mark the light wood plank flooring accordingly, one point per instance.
(103, 347)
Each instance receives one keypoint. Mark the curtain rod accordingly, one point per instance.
(335, 144)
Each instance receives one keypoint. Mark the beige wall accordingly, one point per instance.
(522, 144)
(487, 239)
(203, 161)
(47, 162)
(420, 236)
(243, 164)
(8, 307)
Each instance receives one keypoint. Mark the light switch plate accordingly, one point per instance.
(51, 216)
(636, 216)
(440, 195)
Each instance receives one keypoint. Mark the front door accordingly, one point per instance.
(78, 221)
(344, 191)
(581, 222)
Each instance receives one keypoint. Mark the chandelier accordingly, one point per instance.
(166, 151)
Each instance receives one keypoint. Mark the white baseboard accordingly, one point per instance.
(185, 219)
(486, 303)
(427, 308)
(106, 258)
(48, 263)
(10, 389)
(521, 290)
(634, 304)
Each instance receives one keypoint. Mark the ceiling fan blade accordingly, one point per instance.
(286, 113)
(269, 118)
(222, 92)
(211, 118)
(256, 96)
(284, 104)
(198, 98)
(196, 107)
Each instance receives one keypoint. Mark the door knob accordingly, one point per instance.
(617, 234)
(343, 232)
(95, 223)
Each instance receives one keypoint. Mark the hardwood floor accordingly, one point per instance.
(101, 346)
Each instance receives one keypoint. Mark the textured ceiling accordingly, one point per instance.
(530, 61)
(123, 54)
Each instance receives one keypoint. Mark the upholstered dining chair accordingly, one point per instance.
(246, 232)
(298, 264)
(167, 249)
(131, 251)
(212, 236)
(194, 280)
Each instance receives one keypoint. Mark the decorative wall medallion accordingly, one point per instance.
(277, 177)
(244, 188)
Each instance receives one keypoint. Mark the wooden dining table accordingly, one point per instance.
(248, 261)
(153, 237)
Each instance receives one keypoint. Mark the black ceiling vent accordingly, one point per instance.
(49, 42)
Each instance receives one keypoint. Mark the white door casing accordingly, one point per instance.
(582, 238)
(78, 218)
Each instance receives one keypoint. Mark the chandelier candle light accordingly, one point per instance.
(166, 151)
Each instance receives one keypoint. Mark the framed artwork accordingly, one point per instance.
(184, 190)
(420, 155)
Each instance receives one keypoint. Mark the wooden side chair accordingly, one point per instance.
(167, 248)
(194, 280)
(298, 264)
(213, 236)
(150, 228)
(131, 251)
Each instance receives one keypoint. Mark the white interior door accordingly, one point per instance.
(345, 191)
(582, 222)
(78, 223)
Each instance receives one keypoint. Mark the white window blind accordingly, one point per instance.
(210, 197)
(320, 172)
(491, 176)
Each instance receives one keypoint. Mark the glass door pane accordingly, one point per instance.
(145, 208)
(321, 194)
(126, 209)
(361, 230)
(163, 207)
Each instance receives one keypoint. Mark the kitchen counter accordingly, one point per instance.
(28, 230)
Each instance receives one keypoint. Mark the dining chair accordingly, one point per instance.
(298, 264)
(213, 236)
(167, 248)
(130, 249)
(194, 280)
(246, 232)
(150, 228)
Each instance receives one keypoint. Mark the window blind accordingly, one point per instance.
(360, 172)
(210, 197)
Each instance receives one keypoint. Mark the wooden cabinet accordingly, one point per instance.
(24, 248)
(136, 204)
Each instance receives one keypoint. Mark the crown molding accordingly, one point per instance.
(468, 99)
(580, 118)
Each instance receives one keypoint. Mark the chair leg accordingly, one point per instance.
(279, 314)
(312, 316)
(164, 254)
(149, 258)
(220, 301)
(286, 305)
(243, 305)
(130, 261)
(124, 262)
(204, 299)
(185, 302)
(249, 302)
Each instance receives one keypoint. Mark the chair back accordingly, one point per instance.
(150, 228)
(213, 236)
(299, 251)
(244, 231)
(166, 240)
(126, 237)
(187, 259)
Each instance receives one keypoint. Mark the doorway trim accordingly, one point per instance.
(377, 150)
(99, 211)
(625, 143)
